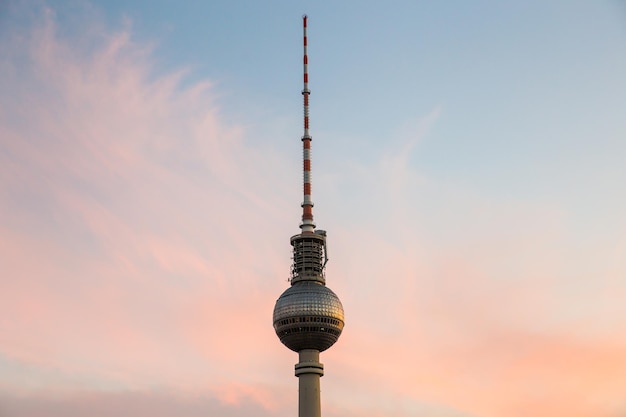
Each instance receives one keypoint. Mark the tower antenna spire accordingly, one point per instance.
(307, 226)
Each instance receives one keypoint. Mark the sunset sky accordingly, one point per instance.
(469, 165)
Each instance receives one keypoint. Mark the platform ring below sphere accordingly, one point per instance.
(308, 315)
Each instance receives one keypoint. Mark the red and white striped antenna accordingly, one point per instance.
(307, 226)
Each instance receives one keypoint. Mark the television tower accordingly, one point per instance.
(308, 316)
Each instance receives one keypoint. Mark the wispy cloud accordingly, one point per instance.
(127, 210)
(457, 291)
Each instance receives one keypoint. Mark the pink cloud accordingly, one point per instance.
(448, 312)
(153, 403)
(128, 205)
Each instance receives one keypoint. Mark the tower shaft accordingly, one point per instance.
(309, 370)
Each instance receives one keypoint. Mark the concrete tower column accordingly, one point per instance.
(309, 370)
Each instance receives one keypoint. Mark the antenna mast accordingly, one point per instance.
(307, 226)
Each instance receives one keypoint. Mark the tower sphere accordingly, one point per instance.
(308, 315)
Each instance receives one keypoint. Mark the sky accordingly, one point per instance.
(468, 165)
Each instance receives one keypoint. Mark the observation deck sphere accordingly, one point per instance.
(308, 315)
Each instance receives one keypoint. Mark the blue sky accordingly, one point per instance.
(530, 93)
(467, 163)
